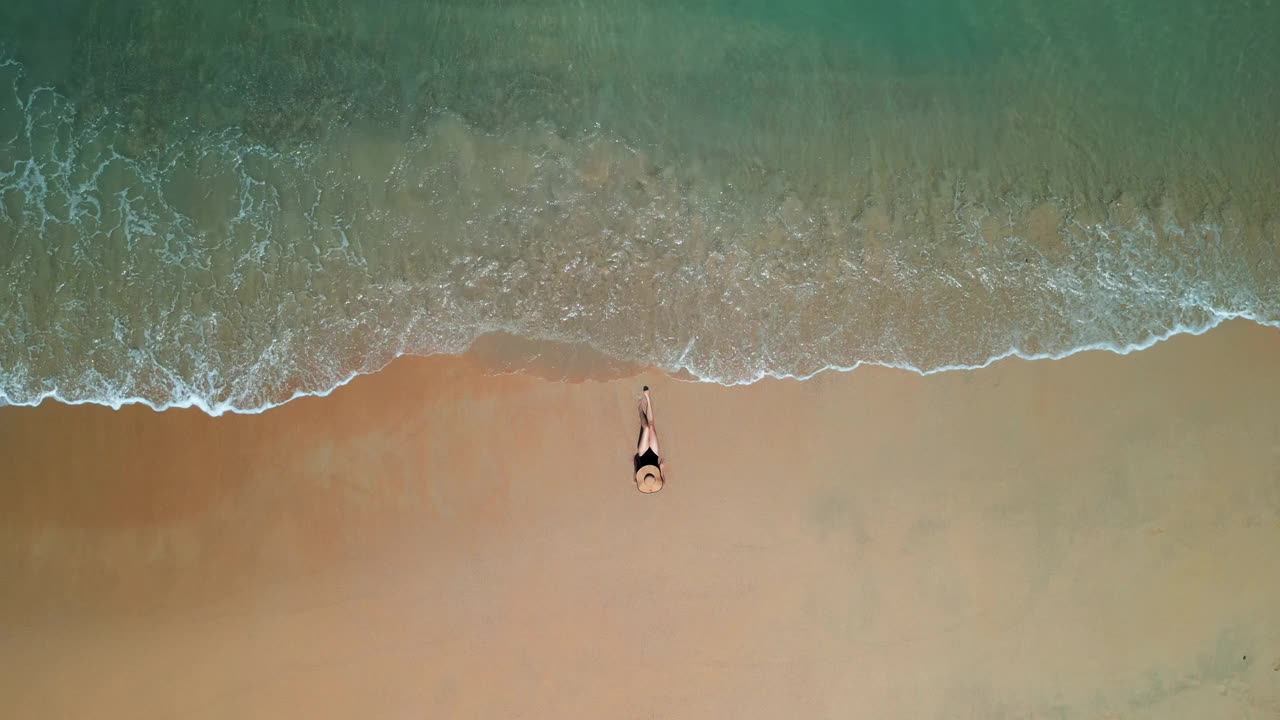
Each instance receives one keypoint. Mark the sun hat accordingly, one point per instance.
(649, 470)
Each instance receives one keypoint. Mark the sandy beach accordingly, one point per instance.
(1095, 537)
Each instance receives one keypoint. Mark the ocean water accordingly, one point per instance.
(227, 204)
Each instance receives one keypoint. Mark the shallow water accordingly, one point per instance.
(226, 204)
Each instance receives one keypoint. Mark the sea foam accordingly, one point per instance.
(726, 196)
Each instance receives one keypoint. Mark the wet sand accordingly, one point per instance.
(1089, 538)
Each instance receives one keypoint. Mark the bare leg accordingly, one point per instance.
(650, 429)
(653, 440)
(648, 433)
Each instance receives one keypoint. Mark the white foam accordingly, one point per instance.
(558, 305)
(1117, 348)
(217, 409)
(214, 409)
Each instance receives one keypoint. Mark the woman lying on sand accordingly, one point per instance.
(650, 470)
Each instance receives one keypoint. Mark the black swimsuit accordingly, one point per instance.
(648, 458)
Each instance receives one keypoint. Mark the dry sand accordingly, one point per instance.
(1097, 537)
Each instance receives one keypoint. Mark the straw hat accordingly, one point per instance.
(649, 470)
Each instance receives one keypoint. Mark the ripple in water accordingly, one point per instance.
(779, 205)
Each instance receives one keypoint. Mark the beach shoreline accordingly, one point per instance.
(1084, 536)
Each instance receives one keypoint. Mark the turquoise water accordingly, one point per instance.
(226, 204)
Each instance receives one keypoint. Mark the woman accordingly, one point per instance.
(650, 469)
